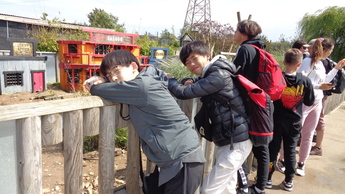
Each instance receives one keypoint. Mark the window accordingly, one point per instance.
(102, 49)
(72, 48)
(13, 78)
(76, 76)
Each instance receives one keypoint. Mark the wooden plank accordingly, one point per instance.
(19, 111)
(209, 155)
(133, 169)
(52, 129)
(106, 150)
(91, 121)
(73, 151)
(29, 155)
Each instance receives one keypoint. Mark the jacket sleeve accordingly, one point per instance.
(202, 87)
(132, 92)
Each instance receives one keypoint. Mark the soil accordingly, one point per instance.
(52, 156)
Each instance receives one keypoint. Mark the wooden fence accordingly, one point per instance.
(68, 121)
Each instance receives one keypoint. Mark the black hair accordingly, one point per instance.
(197, 47)
(118, 58)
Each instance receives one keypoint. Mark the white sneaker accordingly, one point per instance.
(300, 170)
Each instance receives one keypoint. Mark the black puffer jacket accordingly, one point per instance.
(227, 125)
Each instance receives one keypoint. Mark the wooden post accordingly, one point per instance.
(132, 176)
(238, 16)
(52, 129)
(73, 151)
(29, 155)
(209, 155)
(91, 121)
(106, 150)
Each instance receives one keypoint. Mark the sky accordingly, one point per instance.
(277, 18)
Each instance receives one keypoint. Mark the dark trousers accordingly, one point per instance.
(242, 176)
(262, 155)
(187, 180)
(287, 131)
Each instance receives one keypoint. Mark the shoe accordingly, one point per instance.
(286, 185)
(280, 165)
(300, 170)
(252, 190)
(269, 184)
(315, 151)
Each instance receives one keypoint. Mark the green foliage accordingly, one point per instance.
(90, 143)
(174, 66)
(101, 19)
(54, 31)
(145, 45)
(121, 137)
(329, 22)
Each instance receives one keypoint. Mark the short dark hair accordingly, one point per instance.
(293, 56)
(249, 28)
(298, 44)
(118, 58)
(198, 47)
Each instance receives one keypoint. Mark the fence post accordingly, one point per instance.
(106, 150)
(133, 151)
(29, 155)
(73, 151)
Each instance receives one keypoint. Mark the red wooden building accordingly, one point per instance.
(79, 60)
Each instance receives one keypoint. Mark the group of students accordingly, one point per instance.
(169, 139)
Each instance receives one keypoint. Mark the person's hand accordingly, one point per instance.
(169, 75)
(326, 86)
(95, 80)
(188, 82)
(340, 64)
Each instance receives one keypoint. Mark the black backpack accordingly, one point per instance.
(259, 110)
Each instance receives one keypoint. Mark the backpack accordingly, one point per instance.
(270, 77)
(259, 110)
(339, 78)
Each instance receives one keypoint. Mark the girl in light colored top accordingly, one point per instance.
(313, 68)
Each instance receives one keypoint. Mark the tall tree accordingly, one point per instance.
(218, 37)
(100, 18)
(329, 22)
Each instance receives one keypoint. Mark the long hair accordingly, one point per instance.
(320, 45)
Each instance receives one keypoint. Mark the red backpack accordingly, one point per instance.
(270, 77)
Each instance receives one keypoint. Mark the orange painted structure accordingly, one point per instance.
(79, 60)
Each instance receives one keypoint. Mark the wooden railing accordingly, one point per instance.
(68, 121)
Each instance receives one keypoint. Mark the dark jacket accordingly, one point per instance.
(299, 90)
(227, 125)
(247, 58)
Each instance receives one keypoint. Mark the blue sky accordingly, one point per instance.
(276, 17)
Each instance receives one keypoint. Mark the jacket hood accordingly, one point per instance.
(257, 42)
(223, 63)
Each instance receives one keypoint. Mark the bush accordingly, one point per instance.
(91, 142)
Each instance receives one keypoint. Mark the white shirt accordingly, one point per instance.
(317, 75)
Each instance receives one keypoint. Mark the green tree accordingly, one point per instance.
(169, 40)
(101, 19)
(329, 22)
(48, 34)
(145, 45)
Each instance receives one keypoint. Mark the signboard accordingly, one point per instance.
(111, 38)
(22, 49)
